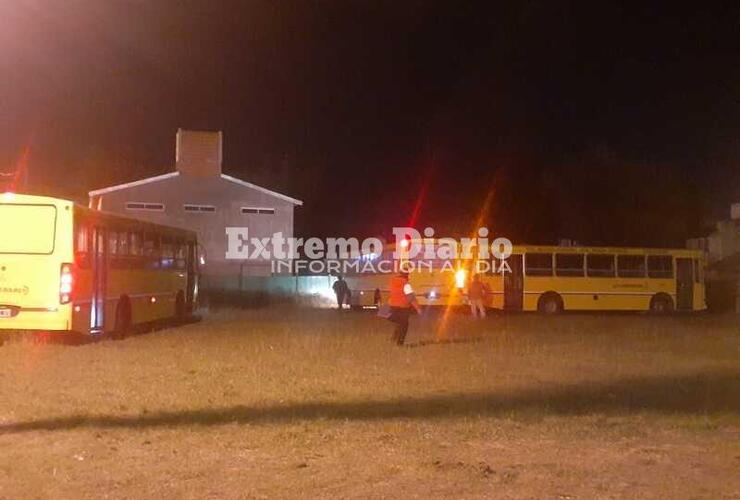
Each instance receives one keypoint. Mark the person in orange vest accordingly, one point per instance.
(401, 300)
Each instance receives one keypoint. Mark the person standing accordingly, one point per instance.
(341, 290)
(401, 300)
(476, 296)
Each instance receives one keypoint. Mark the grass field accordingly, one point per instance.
(278, 403)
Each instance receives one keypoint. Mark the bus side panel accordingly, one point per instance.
(436, 288)
(595, 294)
(153, 293)
(82, 300)
(495, 299)
(617, 294)
(534, 287)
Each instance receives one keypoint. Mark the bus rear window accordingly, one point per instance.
(27, 229)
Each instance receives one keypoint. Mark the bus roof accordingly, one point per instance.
(604, 250)
(97, 215)
(524, 248)
(131, 223)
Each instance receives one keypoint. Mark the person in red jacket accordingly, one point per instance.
(477, 293)
(401, 300)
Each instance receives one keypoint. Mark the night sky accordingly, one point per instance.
(592, 121)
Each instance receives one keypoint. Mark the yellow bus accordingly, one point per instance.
(552, 279)
(436, 282)
(64, 268)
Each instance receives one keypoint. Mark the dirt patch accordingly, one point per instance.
(279, 403)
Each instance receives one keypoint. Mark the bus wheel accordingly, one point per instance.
(123, 318)
(661, 303)
(550, 303)
(180, 307)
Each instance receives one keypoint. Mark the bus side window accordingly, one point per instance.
(538, 264)
(180, 255)
(82, 246)
(569, 264)
(660, 266)
(167, 254)
(151, 251)
(631, 266)
(136, 250)
(123, 243)
(135, 245)
(112, 243)
(600, 266)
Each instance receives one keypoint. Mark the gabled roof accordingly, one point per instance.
(127, 185)
(170, 175)
(261, 189)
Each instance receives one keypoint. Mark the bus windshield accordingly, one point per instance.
(27, 229)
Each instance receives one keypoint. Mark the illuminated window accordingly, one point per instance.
(123, 240)
(136, 245)
(112, 242)
(151, 207)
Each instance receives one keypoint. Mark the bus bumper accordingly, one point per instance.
(36, 320)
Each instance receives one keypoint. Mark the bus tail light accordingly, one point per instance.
(66, 284)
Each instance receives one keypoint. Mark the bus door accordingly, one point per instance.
(514, 284)
(684, 284)
(191, 266)
(99, 279)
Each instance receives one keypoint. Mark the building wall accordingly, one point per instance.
(228, 197)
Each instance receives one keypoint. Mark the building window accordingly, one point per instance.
(152, 207)
(199, 208)
(258, 210)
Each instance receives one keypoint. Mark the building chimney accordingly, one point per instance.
(198, 153)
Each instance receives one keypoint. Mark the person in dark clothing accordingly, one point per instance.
(401, 300)
(341, 290)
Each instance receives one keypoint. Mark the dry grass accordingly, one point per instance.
(313, 403)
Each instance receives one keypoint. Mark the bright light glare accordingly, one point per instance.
(8, 196)
(460, 276)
